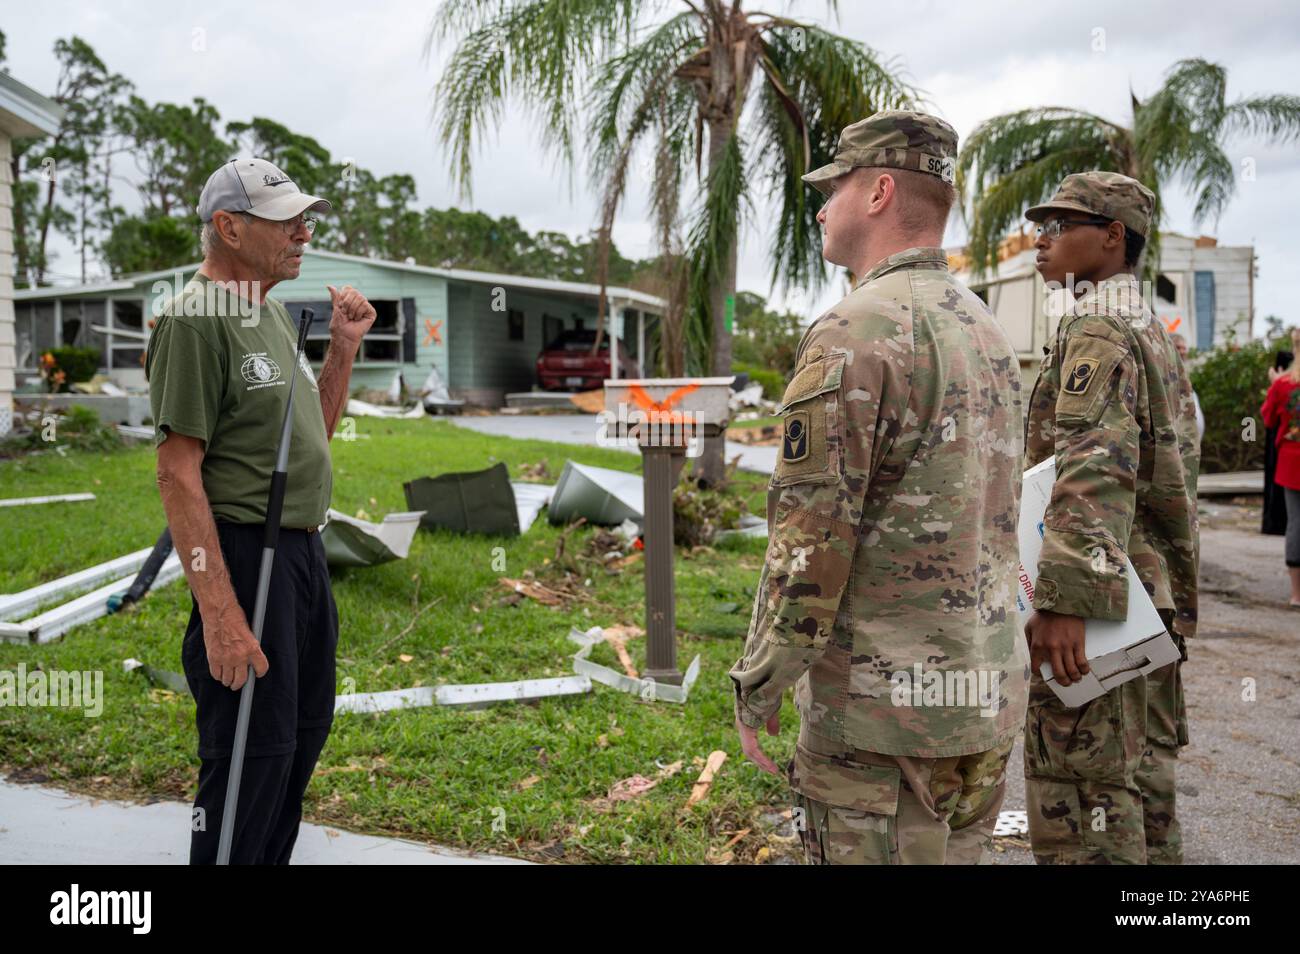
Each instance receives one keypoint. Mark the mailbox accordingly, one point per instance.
(666, 411)
(665, 417)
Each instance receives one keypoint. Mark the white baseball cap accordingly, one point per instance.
(257, 187)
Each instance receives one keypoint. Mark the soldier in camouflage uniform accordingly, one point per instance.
(1114, 405)
(887, 598)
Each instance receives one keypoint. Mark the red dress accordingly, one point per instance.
(1282, 410)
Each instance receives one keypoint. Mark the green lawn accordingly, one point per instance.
(432, 774)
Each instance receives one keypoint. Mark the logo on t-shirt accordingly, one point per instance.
(259, 370)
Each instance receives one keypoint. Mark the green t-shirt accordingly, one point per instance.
(220, 376)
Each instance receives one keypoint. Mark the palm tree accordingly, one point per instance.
(667, 97)
(1016, 160)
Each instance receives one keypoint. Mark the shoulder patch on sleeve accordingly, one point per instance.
(1080, 376)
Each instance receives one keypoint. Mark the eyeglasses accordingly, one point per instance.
(1055, 227)
(287, 226)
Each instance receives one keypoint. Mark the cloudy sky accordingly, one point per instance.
(354, 76)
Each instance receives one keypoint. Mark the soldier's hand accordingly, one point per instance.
(753, 749)
(1057, 639)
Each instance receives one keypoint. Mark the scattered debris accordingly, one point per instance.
(53, 623)
(469, 696)
(530, 498)
(763, 435)
(749, 396)
(350, 541)
(648, 689)
(162, 678)
(536, 473)
(16, 605)
(750, 526)
(1011, 823)
(705, 781)
(534, 591)
(736, 838)
(358, 408)
(617, 637)
(435, 396)
(600, 495)
(148, 573)
(55, 498)
(481, 501)
(592, 402)
(136, 432)
(626, 789)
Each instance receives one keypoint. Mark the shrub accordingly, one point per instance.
(77, 364)
(1230, 383)
(772, 381)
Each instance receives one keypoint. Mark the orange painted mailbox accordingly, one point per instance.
(669, 419)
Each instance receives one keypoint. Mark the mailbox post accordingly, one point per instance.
(667, 417)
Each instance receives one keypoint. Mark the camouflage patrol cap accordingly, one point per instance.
(896, 138)
(1107, 194)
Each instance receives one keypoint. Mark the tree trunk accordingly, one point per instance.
(711, 465)
(45, 227)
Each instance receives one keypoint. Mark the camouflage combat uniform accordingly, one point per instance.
(1114, 404)
(892, 553)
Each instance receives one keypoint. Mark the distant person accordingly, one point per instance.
(1282, 410)
(1272, 517)
(1181, 344)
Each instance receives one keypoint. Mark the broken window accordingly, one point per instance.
(126, 350)
(1166, 290)
(381, 345)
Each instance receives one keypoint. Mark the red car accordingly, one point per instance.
(567, 363)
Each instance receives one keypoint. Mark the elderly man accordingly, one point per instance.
(218, 366)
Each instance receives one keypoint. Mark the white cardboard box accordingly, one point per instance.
(1117, 651)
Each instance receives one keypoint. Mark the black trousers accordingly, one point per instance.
(293, 704)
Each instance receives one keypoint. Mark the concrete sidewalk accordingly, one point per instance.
(41, 825)
(582, 429)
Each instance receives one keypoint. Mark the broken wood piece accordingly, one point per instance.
(705, 781)
(617, 637)
(736, 838)
(532, 590)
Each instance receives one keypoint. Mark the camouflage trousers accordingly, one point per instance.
(864, 808)
(1099, 779)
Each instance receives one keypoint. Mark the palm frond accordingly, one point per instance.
(1018, 159)
(814, 84)
(1201, 87)
(538, 49)
(1277, 117)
